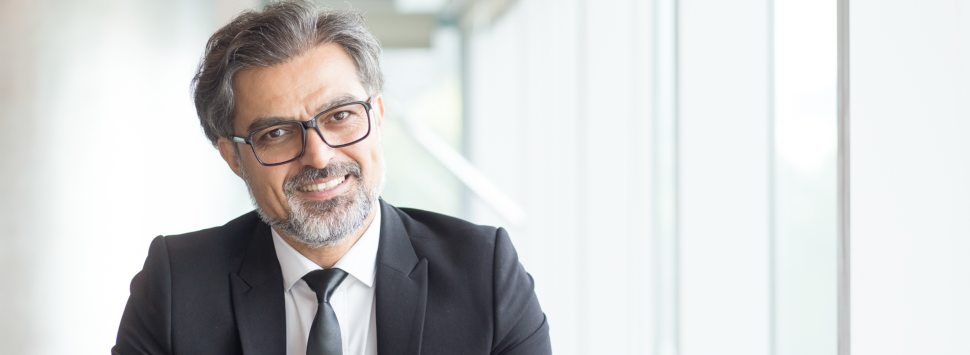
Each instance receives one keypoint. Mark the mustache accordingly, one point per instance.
(308, 174)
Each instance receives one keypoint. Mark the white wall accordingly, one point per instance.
(103, 152)
(910, 176)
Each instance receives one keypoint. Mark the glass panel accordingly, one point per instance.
(804, 176)
(723, 150)
(425, 86)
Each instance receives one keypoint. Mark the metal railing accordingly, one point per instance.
(466, 172)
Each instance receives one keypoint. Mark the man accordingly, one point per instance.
(292, 99)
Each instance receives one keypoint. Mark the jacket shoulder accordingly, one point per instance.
(475, 283)
(225, 242)
(425, 227)
(429, 224)
(181, 298)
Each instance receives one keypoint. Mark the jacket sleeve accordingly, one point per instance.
(146, 324)
(520, 325)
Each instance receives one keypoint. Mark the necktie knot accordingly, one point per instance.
(324, 282)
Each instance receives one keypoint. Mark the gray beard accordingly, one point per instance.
(324, 223)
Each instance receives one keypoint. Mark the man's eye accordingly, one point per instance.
(275, 133)
(339, 116)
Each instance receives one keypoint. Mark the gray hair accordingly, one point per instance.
(283, 30)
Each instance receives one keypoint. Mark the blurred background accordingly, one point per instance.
(667, 168)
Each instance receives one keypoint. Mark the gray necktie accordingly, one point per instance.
(325, 332)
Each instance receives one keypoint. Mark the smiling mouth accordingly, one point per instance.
(324, 186)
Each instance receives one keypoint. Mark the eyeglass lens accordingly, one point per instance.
(340, 125)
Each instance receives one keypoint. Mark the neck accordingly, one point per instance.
(326, 257)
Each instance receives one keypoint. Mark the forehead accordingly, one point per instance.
(297, 88)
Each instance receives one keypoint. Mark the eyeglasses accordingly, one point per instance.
(283, 142)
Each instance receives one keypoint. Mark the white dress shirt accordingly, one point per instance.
(352, 301)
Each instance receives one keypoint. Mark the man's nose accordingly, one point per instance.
(317, 154)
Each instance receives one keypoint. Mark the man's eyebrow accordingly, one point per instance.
(339, 100)
(264, 122)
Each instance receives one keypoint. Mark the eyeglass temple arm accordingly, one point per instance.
(239, 140)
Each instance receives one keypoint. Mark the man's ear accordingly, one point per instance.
(229, 155)
(379, 106)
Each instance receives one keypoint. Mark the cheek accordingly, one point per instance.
(267, 187)
(372, 166)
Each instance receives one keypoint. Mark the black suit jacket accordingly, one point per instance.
(443, 286)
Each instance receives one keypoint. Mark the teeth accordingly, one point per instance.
(324, 186)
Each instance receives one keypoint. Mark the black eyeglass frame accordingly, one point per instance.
(307, 125)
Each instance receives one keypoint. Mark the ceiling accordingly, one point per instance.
(410, 23)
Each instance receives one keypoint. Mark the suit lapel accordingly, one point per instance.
(401, 288)
(257, 297)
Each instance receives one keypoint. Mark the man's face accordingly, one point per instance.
(298, 90)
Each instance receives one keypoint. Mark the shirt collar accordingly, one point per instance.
(359, 261)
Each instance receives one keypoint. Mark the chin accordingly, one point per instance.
(323, 223)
